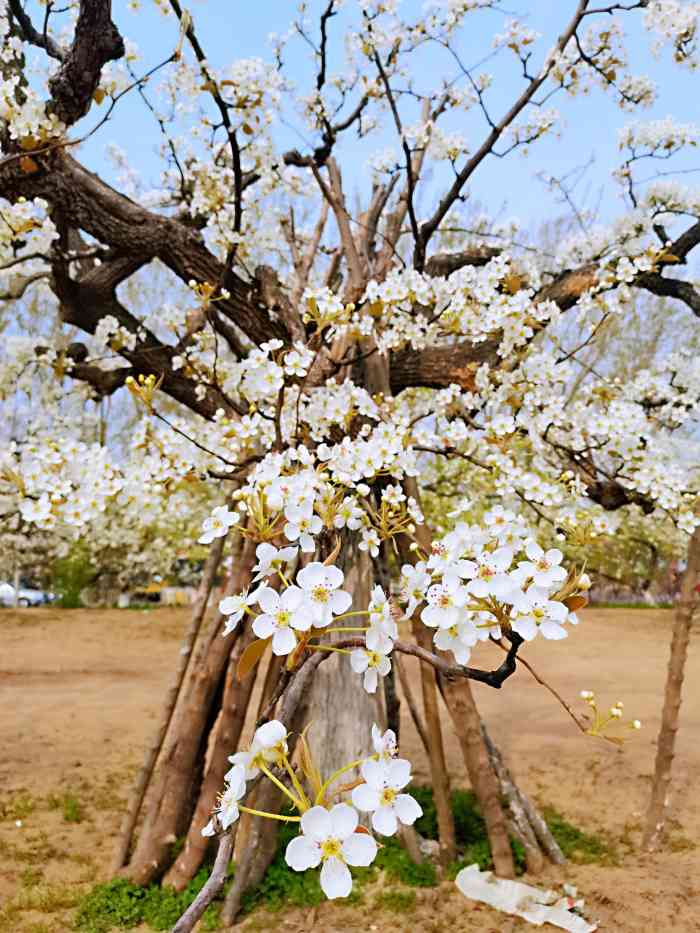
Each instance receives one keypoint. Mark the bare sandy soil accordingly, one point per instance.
(80, 692)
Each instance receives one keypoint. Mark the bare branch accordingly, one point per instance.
(432, 224)
(495, 678)
(33, 36)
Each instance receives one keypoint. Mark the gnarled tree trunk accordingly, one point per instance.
(341, 713)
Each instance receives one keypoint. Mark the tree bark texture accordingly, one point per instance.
(138, 792)
(226, 736)
(467, 725)
(341, 713)
(666, 741)
(173, 790)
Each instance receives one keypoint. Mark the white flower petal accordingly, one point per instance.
(284, 641)
(398, 773)
(312, 575)
(334, 577)
(302, 853)
(552, 630)
(292, 598)
(316, 823)
(344, 820)
(270, 733)
(366, 798)
(340, 601)
(264, 626)
(336, 880)
(407, 809)
(359, 660)
(375, 773)
(384, 821)
(268, 600)
(360, 850)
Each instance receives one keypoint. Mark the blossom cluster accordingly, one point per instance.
(331, 835)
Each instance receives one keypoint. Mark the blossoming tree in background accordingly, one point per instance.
(319, 354)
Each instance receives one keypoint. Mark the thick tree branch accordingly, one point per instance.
(87, 203)
(444, 264)
(670, 288)
(96, 42)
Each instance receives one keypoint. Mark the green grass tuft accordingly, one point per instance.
(69, 805)
(396, 900)
(577, 845)
(122, 905)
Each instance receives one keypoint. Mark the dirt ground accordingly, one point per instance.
(80, 693)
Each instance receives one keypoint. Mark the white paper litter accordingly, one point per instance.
(513, 897)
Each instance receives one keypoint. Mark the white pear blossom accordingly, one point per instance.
(415, 581)
(218, 524)
(534, 611)
(268, 746)
(543, 567)
(384, 743)
(271, 559)
(372, 664)
(235, 607)
(330, 837)
(320, 585)
(490, 577)
(459, 639)
(282, 615)
(380, 795)
(226, 809)
(446, 601)
(302, 524)
(36, 510)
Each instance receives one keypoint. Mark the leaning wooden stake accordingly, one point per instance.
(138, 792)
(170, 796)
(685, 608)
(436, 751)
(528, 824)
(467, 725)
(260, 843)
(227, 734)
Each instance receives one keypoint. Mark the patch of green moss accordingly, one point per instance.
(399, 866)
(124, 905)
(577, 845)
(396, 900)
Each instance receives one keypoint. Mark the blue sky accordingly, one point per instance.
(509, 188)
